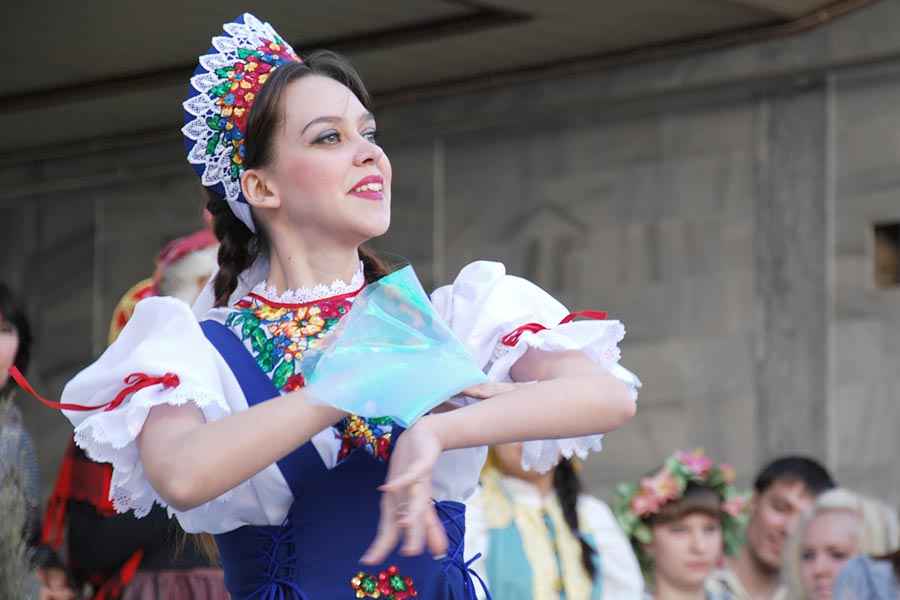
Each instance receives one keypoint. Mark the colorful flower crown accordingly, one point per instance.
(635, 502)
(222, 92)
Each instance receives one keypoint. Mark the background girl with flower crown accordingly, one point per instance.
(679, 520)
(241, 424)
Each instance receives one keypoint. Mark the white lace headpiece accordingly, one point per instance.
(223, 88)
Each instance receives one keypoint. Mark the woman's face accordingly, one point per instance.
(9, 345)
(686, 550)
(332, 180)
(830, 540)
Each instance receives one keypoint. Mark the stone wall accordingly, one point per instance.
(720, 204)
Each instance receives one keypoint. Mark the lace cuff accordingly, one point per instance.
(599, 340)
(109, 436)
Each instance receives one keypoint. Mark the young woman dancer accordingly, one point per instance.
(216, 420)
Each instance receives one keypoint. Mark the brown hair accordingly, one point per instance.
(697, 498)
(238, 246)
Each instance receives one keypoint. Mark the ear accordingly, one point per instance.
(259, 190)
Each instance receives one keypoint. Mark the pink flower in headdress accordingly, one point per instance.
(734, 507)
(655, 491)
(696, 462)
(728, 473)
(644, 504)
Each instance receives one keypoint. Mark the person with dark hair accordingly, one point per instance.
(139, 559)
(313, 420)
(542, 538)
(783, 490)
(680, 520)
(19, 476)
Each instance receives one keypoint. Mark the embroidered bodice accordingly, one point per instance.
(278, 329)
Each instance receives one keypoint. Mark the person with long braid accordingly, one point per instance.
(325, 419)
(542, 538)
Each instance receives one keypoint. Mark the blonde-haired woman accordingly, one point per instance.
(841, 525)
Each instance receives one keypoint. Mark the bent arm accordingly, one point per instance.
(572, 397)
(189, 461)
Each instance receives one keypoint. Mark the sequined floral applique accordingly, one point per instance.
(388, 585)
(371, 434)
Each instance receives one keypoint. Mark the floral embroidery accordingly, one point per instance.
(224, 85)
(389, 585)
(278, 336)
(373, 434)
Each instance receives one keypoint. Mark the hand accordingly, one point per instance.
(483, 391)
(54, 584)
(407, 509)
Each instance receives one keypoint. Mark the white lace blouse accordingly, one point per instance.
(482, 306)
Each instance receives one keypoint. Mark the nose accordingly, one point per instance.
(367, 152)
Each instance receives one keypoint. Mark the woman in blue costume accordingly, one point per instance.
(215, 418)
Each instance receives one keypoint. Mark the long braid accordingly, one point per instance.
(568, 487)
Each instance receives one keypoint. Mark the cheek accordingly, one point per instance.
(311, 175)
(9, 344)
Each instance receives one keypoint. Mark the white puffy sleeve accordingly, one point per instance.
(619, 569)
(499, 317)
(162, 339)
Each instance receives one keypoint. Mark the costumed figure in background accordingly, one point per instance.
(109, 555)
(312, 419)
(542, 539)
(840, 526)
(680, 519)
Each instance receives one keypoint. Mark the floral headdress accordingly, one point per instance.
(222, 92)
(636, 502)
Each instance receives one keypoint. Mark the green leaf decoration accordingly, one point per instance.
(234, 318)
(258, 340)
(215, 123)
(251, 324)
(235, 171)
(220, 90)
(284, 370)
(213, 143)
(643, 534)
(244, 53)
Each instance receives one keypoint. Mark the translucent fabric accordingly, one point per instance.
(392, 355)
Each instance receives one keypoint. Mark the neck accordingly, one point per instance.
(294, 265)
(666, 590)
(758, 579)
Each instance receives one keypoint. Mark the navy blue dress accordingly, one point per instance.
(314, 554)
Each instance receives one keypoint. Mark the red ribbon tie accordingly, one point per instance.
(512, 338)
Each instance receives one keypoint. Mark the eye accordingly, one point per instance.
(808, 555)
(371, 135)
(7, 328)
(839, 555)
(328, 138)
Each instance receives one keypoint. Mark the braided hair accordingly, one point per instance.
(568, 487)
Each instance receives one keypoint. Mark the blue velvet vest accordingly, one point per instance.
(314, 554)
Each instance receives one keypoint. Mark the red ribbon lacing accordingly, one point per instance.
(133, 383)
(512, 338)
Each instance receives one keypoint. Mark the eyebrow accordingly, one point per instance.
(368, 116)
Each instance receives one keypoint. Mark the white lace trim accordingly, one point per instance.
(216, 166)
(110, 437)
(599, 340)
(338, 287)
(542, 455)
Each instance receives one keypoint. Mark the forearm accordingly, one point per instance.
(556, 408)
(190, 462)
